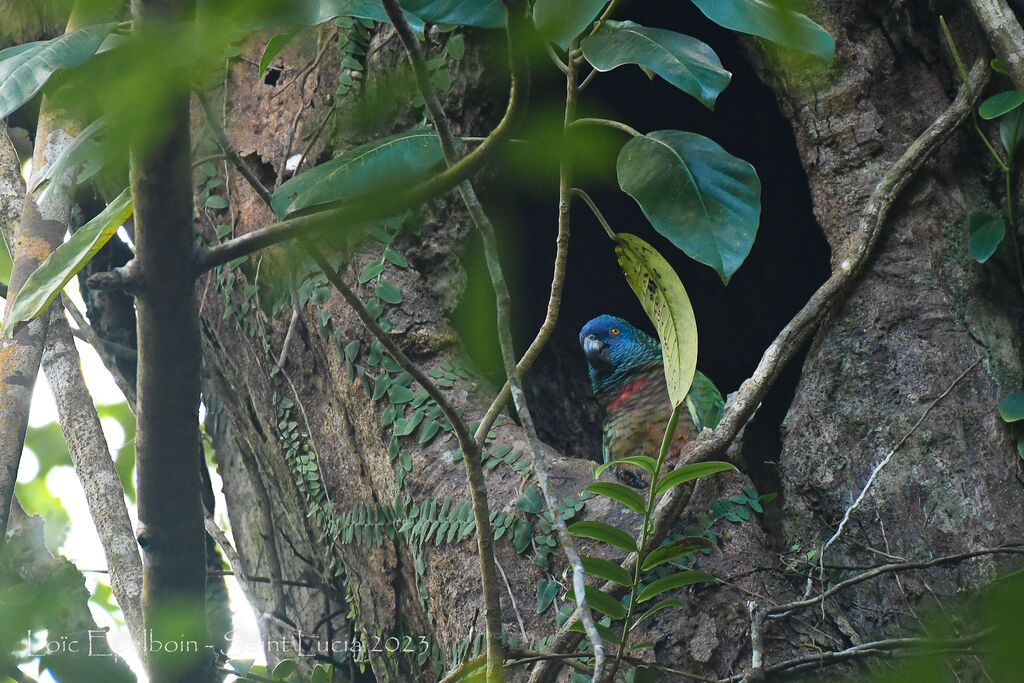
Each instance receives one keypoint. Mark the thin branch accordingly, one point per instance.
(889, 646)
(90, 455)
(596, 211)
(711, 445)
(779, 611)
(608, 123)
(503, 304)
(884, 461)
(492, 612)
(229, 150)
(218, 535)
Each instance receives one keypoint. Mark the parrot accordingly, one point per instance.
(628, 379)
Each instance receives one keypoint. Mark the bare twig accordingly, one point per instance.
(779, 611)
(884, 461)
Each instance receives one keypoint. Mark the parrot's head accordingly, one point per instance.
(614, 348)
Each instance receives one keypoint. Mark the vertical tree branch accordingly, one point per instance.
(171, 529)
(83, 432)
(39, 232)
(95, 469)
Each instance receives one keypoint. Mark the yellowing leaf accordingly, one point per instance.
(667, 305)
(66, 260)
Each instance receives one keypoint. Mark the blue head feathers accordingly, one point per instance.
(614, 349)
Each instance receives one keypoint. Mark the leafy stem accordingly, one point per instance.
(666, 442)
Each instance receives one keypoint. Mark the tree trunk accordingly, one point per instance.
(359, 533)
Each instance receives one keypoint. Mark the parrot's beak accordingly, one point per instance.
(596, 351)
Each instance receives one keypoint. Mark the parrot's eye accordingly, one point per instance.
(615, 331)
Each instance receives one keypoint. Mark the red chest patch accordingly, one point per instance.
(627, 391)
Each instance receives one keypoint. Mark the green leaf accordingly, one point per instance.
(1010, 128)
(607, 635)
(285, 668)
(683, 61)
(602, 602)
(663, 604)
(388, 292)
(701, 198)
(49, 278)
(1000, 103)
(274, 46)
(1011, 408)
(472, 671)
(480, 13)
(644, 462)
(530, 501)
(561, 21)
(664, 299)
(767, 19)
(24, 69)
(395, 258)
(985, 238)
(603, 532)
(83, 154)
(215, 202)
(704, 402)
(522, 534)
(546, 592)
(625, 495)
(675, 549)
(607, 570)
(671, 581)
(688, 472)
(376, 169)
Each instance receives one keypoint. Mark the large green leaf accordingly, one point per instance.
(601, 601)
(683, 61)
(770, 19)
(664, 299)
(318, 11)
(663, 604)
(701, 198)
(688, 472)
(481, 13)
(606, 569)
(674, 550)
(24, 69)
(1000, 104)
(375, 168)
(625, 495)
(1011, 408)
(704, 402)
(560, 21)
(49, 278)
(603, 532)
(986, 233)
(684, 578)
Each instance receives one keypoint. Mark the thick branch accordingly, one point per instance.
(1004, 34)
(95, 469)
(40, 230)
(171, 531)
